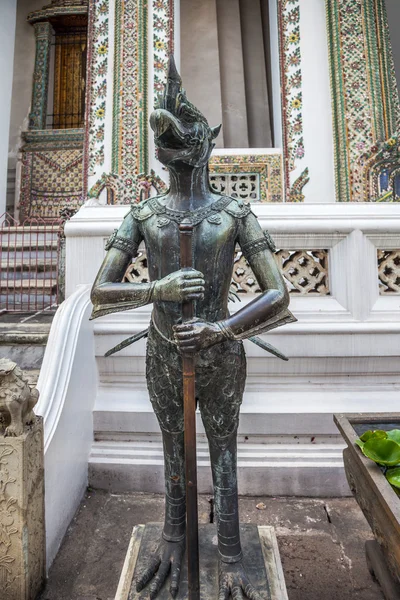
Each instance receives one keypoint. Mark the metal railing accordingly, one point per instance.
(30, 264)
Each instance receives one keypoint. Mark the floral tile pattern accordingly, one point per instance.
(292, 96)
(365, 97)
(130, 148)
(97, 83)
(163, 41)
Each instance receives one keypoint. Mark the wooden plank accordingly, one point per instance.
(371, 499)
(125, 580)
(273, 565)
(378, 482)
(375, 496)
(378, 568)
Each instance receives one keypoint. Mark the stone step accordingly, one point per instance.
(21, 264)
(28, 245)
(273, 469)
(27, 229)
(44, 286)
(24, 333)
(25, 342)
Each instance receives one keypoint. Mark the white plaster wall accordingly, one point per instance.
(67, 386)
(317, 111)
(8, 10)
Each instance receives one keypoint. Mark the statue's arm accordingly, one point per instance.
(108, 293)
(270, 308)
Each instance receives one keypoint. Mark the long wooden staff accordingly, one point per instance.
(189, 403)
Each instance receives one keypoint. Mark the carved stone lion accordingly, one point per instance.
(17, 398)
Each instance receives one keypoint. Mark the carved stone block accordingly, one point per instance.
(22, 526)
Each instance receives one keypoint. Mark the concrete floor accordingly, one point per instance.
(321, 543)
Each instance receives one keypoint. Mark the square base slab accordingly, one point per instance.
(261, 559)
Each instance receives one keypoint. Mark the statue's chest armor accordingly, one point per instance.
(213, 244)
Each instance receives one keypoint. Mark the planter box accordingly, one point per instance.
(375, 496)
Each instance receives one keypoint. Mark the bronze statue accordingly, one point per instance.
(184, 141)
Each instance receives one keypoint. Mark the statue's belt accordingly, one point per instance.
(143, 334)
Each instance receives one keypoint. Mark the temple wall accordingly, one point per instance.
(7, 33)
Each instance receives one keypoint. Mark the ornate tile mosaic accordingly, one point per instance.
(380, 170)
(305, 271)
(389, 272)
(130, 148)
(163, 41)
(364, 93)
(256, 177)
(98, 49)
(51, 181)
(146, 186)
(292, 96)
(37, 116)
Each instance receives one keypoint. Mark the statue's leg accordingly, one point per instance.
(164, 381)
(220, 391)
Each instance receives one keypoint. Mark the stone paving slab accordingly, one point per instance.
(321, 543)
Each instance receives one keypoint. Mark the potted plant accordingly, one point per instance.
(371, 461)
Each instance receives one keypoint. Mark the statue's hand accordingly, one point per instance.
(196, 335)
(186, 284)
(233, 581)
(167, 557)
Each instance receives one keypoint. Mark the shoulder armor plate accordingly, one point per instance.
(141, 211)
(238, 208)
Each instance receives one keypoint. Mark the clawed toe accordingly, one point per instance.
(166, 559)
(234, 583)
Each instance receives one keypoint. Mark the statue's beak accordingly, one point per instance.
(173, 87)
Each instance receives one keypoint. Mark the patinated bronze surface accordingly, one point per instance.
(184, 141)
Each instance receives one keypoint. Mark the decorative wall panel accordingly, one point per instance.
(365, 97)
(292, 98)
(389, 272)
(51, 181)
(37, 116)
(98, 50)
(163, 42)
(257, 178)
(130, 148)
(305, 272)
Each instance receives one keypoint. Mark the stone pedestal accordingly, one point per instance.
(22, 526)
(261, 559)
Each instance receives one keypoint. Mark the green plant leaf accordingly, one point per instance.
(393, 477)
(378, 433)
(382, 451)
(394, 435)
(360, 443)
